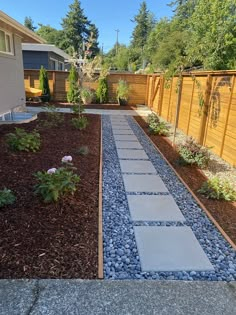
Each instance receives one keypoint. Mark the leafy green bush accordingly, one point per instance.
(77, 109)
(80, 122)
(83, 150)
(23, 141)
(73, 94)
(53, 117)
(87, 95)
(215, 188)
(156, 126)
(44, 85)
(193, 153)
(55, 183)
(102, 91)
(6, 197)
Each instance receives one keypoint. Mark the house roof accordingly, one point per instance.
(45, 47)
(11, 25)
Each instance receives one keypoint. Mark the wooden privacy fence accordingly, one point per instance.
(207, 107)
(59, 85)
(207, 102)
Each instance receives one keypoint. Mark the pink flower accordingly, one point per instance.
(66, 159)
(51, 170)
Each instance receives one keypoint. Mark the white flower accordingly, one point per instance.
(66, 159)
(51, 170)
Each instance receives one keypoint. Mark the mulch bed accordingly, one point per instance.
(90, 106)
(223, 212)
(56, 240)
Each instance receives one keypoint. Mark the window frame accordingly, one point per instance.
(10, 35)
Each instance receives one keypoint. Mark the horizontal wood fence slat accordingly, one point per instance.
(207, 108)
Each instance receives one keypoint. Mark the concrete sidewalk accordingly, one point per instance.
(95, 297)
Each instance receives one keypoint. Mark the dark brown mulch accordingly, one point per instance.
(57, 240)
(90, 106)
(223, 212)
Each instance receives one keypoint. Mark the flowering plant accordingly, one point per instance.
(66, 159)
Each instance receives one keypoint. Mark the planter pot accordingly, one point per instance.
(122, 101)
(86, 100)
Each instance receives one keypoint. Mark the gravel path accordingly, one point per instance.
(121, 258)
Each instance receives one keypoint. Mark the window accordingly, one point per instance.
(6, 44)
(60, 66)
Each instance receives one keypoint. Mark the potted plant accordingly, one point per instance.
(122, 92)
(87, 95)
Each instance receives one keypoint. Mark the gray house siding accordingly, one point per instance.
(35, 59)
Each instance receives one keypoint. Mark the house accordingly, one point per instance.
(48, 56)
(12, 90)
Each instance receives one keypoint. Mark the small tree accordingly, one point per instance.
(44, 85)
(73, 93)
(102, 90)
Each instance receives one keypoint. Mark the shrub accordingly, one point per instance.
(215, 188)
(44, 85)
(73, 95)
(23, 141)
(53, 117)
(193, 153)
(6, 197)
(80, 122)
(86, 95)
(77, 109)
(102, 91)
(122, 91)
(56, 183)
(83, 150)
(156, 126)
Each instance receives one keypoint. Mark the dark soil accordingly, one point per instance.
(56, 240)
(223, 212)
(90, 106)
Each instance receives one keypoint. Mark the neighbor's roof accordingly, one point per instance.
(11, 25)
(45, 47)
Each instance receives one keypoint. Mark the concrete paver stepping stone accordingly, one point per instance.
(128, 145)
(123, 132)
(154, 208)
(137, 166)
(144, 183)
(126, 137)
(170, 249)
(114, 128)
(132, 154)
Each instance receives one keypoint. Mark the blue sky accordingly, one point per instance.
(107, 15)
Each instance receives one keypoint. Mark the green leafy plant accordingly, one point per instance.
(6, 197)
(86, 95)
(193, 153)
(21, 140)
(80, 122)
(53, 117)
(102, 90)
(83, 150)
(122, 92)
(215, 188)
(156, 126)
(44, 85)
(56, 183)
(73, 95)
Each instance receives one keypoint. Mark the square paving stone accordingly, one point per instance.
(126, 137)
(144, 183)
(115, 128)
(154, 208)
(132, 154)
(170, 249)
(128, 145)
(123, 132)
(137, 166)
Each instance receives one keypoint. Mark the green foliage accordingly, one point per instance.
(53, 186)
(29, 23)
(86, 95)
(77, 109)
(44, 85)
(6, 197)
(80, 122)
(215, 188)
(122, 90)
(73, 95)
(21, 140)
(83, 150)
(53, 117)
(192, 153)
(156, 126)
(102, 90)
(52, 36)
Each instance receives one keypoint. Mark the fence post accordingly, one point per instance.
(205, 110)
(152, 90)
(147, 91)
(53, 84)
(227, 115)
(162, 84)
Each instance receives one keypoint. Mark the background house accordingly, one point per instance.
(48, 56)
(12, 90)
